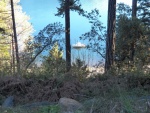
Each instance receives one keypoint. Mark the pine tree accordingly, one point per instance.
(134, 8)
(67, 35)
(134, 12)
(132, 43)
(65, 7)
(110, 41)
(23, 31)
(144, 11)
(54, 63)
(15, 38)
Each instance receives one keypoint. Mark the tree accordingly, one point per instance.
(4, 39)
(132, 42)
(134, 8)
(65, 6)
(134, 11)
(67, 35)
(123, 9)
(140, 10)
(96, 37)
(23, 29)
(143, 11)
(45, 39)
(110, 41)
(54, 63)
(74, 5)
(15, 38)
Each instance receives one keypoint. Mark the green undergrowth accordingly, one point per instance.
(120, 101)
(126, 93)
(41, 109)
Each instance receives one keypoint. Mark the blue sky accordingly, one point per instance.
(42, 12)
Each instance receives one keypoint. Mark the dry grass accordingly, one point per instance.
(101, 94)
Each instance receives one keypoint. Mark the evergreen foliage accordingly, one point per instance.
(144, 11)
(75, 5)
(65, 7)
(132, 42)
(53, 64)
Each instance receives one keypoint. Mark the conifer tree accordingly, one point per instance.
(65, 7)
(132, 43)
(143, 11)
(54, 63)
(15, 38)
(111, 35)
(23, 31)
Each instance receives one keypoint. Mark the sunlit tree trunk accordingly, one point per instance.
(67, 35)
(12, 57)
(110, 41)
(15, 38)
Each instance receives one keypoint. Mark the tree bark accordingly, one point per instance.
(13, 56)
(15, 38)
(67, 35)
(134, 8)
(111, 35)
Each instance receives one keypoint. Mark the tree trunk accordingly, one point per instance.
(13, 56)
(67, 35)
(111, 35)
(134, 8)
(15, 38)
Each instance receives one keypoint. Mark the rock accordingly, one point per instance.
(9, 102)
(68, 105)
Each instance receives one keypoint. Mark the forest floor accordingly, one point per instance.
(100, 94)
